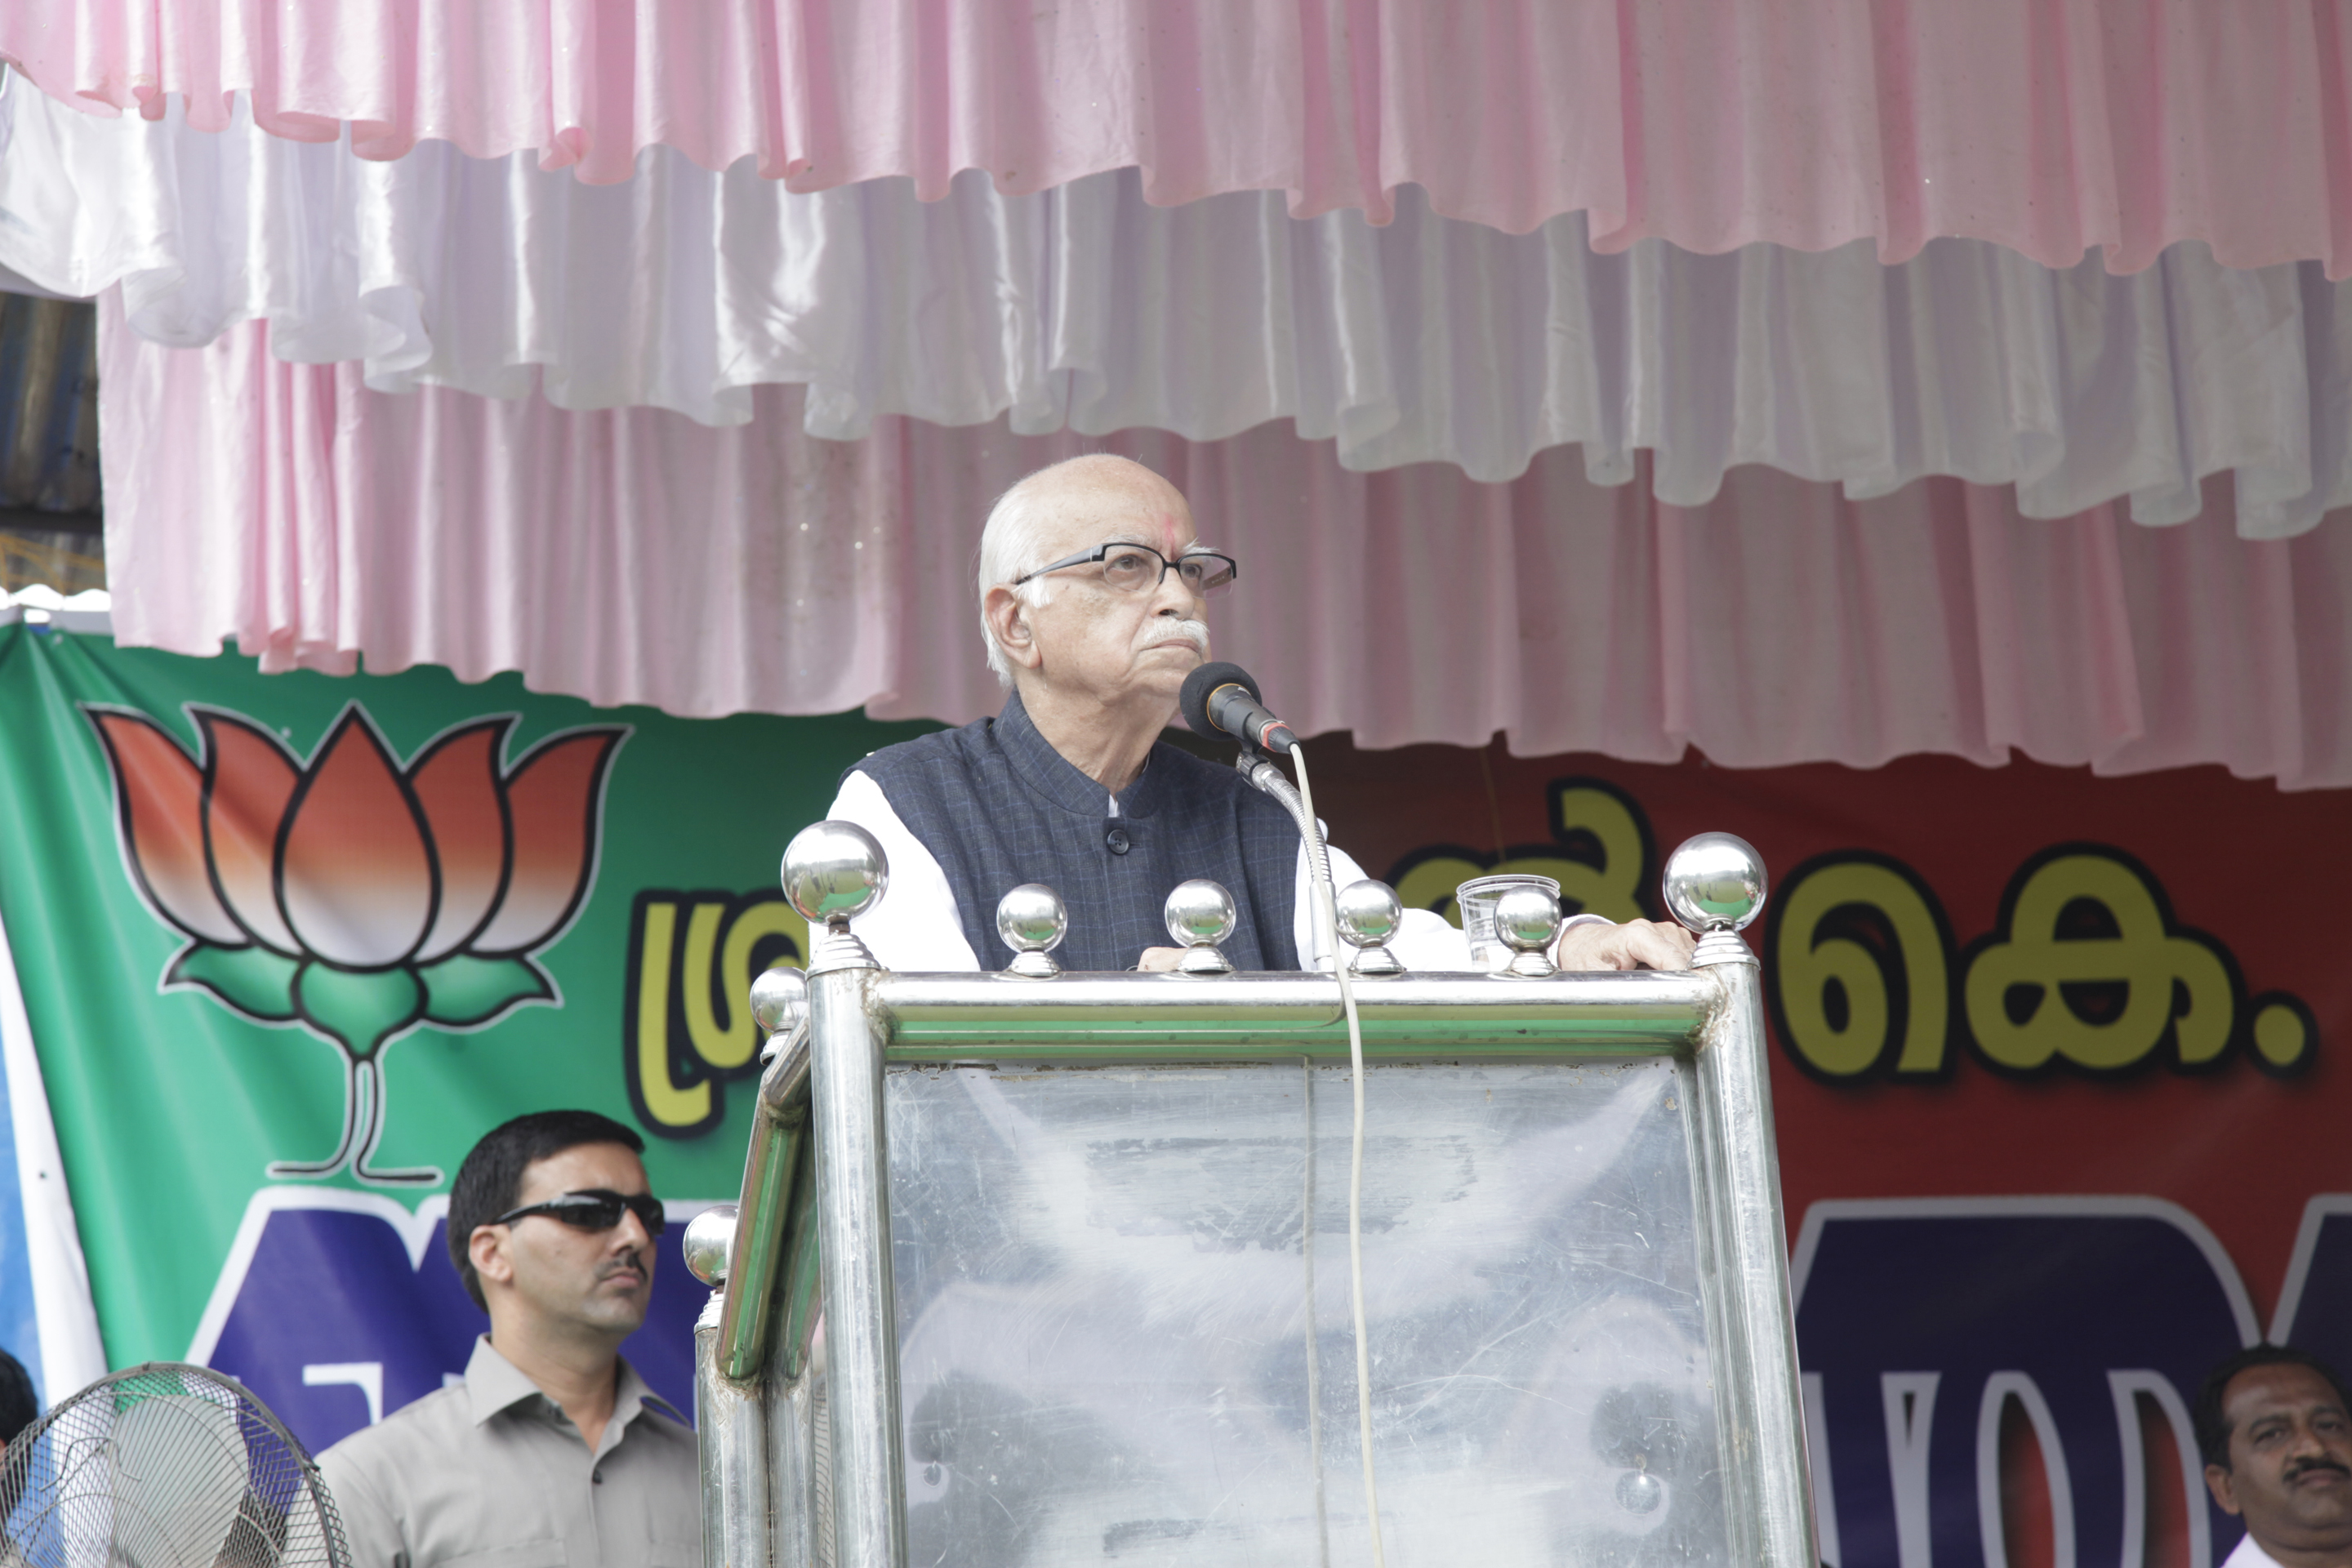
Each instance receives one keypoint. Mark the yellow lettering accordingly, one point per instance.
(1860, 960)
(728, 1045)
(2030, 988)
(1430, 884)
(666, 1104)
(720, 1044)
(2285, 1034)
(1613, 888)
(756, 923)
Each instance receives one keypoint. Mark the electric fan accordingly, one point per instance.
(164, 1465)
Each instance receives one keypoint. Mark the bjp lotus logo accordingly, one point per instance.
(351, 895)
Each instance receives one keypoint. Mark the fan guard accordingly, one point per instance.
(164, 1465)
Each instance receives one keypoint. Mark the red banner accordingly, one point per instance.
(2060, 1111)
(2197, 872)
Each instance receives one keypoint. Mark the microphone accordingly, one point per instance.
(1220, 700)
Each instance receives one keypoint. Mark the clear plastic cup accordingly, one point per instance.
(1476, 899)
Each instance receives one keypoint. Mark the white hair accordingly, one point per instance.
(1013, 542)
(1012, 545)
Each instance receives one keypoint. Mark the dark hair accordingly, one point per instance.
(18, 1408)
(2212, 1427)
(491, 1178)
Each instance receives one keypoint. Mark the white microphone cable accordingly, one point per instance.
(1319, 874)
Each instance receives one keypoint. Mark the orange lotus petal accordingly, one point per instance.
(355, 877)
(159, 794)
(457, 783)
(249, 779)
(551, 800)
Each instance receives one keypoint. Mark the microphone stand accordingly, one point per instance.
(1262, 774)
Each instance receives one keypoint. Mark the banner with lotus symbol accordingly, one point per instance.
(290, 943)
(350, 894)
(2059, 1094)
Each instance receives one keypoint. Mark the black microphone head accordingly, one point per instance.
(1195, 696)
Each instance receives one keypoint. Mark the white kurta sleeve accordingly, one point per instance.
(1423, 942)
(1426, 941)
(916, 927)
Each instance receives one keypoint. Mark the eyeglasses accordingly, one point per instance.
(1139, 568)
(596, 1209)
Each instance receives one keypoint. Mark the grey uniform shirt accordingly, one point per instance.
(491, 1473)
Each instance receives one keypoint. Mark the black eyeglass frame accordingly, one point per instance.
(590, 1201)
(1084, 557)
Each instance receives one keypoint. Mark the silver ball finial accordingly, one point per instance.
(834, 871)
(1715, 882)
(1367, 914)
(1200, 915)
(780, 999)
(1527, 919)
(709, 1239)
(1033, 922)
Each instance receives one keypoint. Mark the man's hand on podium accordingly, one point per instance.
(1634, 944)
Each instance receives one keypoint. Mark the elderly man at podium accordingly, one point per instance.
(1092, 590)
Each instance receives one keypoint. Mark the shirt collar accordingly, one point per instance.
(1060, 781)
(635, 1394)
(2250, 1554)
(494, 1383)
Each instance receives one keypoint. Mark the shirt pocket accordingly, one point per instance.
(515, 1554)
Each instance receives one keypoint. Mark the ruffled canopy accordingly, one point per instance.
(1085, 308)
(2052, 127)
(754, 567)
(1797, 384)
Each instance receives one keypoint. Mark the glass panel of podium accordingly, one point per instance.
(1113, 1283)
(1055, 1271)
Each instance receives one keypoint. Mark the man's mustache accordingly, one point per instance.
(629, 1262)
(2296, 1472)
(1195, 632)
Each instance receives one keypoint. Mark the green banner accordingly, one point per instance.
(2045, 1044)
(290, 943)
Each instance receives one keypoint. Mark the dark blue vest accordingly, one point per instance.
(999, 806)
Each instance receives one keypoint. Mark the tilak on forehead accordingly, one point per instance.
(1160, 528)
(1142, 506)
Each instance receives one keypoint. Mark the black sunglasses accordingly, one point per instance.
(596, 1209)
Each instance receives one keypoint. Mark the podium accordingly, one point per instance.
(1056, 1271)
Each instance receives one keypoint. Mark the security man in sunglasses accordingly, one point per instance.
(553, 1450)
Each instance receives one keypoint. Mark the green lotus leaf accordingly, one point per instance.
(362, 1008)
(253, 981)
(463, 990)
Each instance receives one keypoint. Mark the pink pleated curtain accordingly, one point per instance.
(2049, 126)
(2080, 510)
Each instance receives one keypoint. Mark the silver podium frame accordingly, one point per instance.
(802, 1462)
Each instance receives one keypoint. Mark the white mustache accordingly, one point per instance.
(1195, 632)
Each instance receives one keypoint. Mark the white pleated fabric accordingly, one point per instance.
(2049, 126)
(1084, 309)
(637, 556)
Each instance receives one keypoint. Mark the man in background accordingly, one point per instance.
(2275, 1430)
(553, 1450)
(18, 1408)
